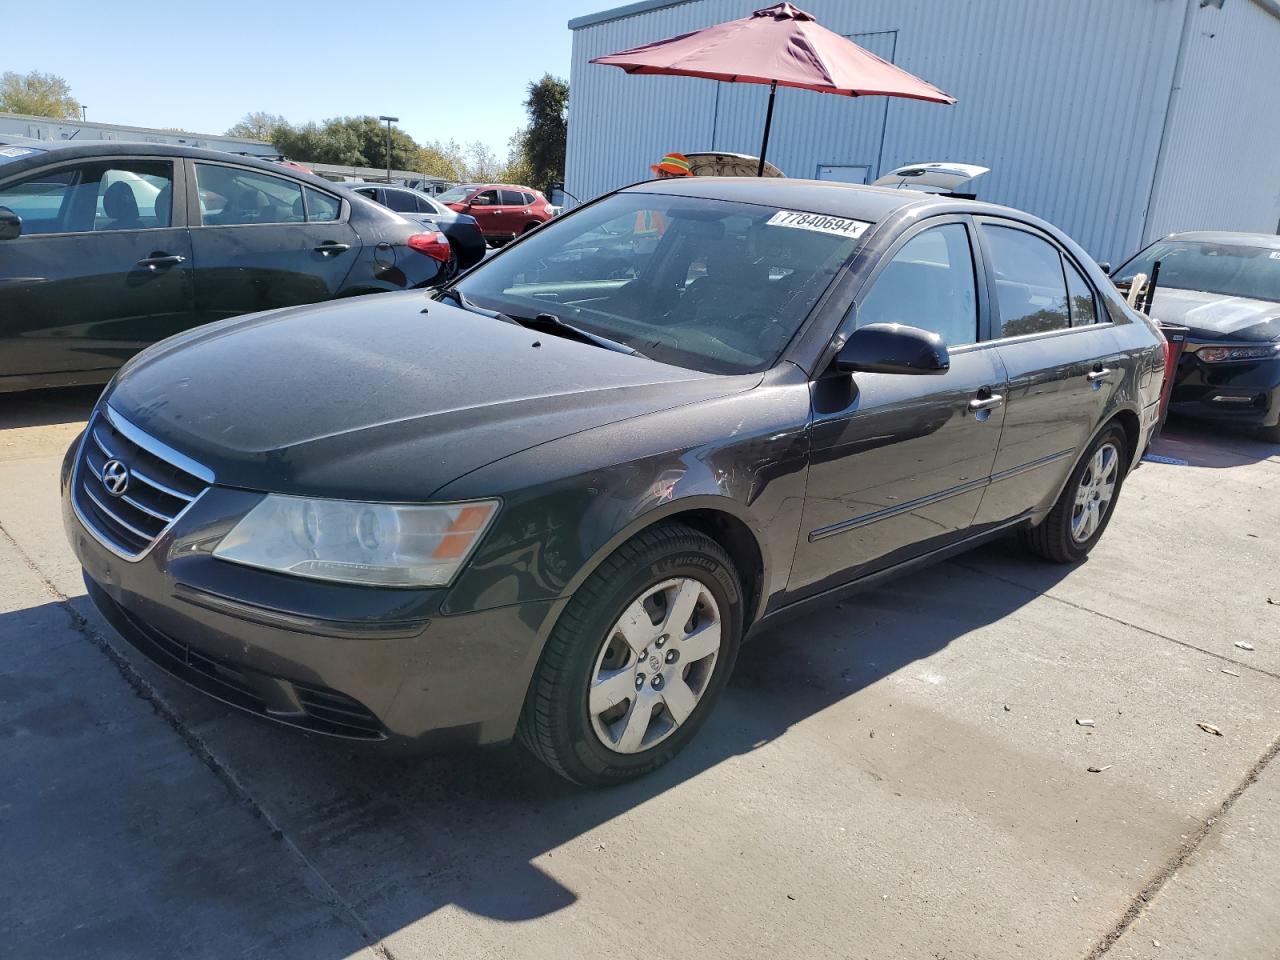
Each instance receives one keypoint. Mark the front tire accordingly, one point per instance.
(637, 660)
(1078, 519)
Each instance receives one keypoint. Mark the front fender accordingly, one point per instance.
(744, 456)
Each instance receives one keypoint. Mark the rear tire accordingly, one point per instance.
(1269, 434)
(595, 733)
(1078, 519)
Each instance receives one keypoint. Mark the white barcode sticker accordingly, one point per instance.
(820, 222)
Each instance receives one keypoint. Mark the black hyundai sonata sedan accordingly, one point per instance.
(551, 500)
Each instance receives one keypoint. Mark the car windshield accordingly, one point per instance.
(15, 152)
(706, 284)
(1234, 270)
(455, 194)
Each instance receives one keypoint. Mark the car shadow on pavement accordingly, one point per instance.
(399, 839)
(39, 408)
(1212, 445)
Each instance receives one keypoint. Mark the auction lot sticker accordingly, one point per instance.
(819, 222)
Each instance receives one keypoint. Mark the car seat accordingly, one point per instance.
(121, 206)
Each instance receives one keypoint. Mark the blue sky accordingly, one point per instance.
(447, 70)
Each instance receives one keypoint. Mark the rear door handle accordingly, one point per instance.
(1095, 375)
(161, 260)
(328, 248)
(986, 403)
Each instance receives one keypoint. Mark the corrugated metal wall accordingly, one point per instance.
(1222, 152)
(1063, 99)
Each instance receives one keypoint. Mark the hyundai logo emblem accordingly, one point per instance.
(115, 477)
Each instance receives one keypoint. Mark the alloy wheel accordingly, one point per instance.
(655, 665)
(1096, 491)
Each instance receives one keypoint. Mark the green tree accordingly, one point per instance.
(445, 160)
(258, 125)
(538, 150)
(38, 95)
(348, 141)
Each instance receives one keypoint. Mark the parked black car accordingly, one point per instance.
(553, 507)
(107, 247)
(1225, 288)
(462, 230)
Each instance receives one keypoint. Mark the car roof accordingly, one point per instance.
(849, 200)
(374, 183)
(51, 150)
(1227, 238)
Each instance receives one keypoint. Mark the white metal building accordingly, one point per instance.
(1118, 120)
(45, 128)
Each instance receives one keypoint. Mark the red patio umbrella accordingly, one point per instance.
(779, 45)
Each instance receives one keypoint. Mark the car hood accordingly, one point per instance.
(385, 397)
(1213, 316)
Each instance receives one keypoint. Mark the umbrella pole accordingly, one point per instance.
(768, 122)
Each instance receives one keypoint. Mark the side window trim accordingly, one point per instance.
(847, 324)
(177, 207)
(1063, 257)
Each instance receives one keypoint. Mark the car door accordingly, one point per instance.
(102, 267)
(262, 241)
(516, 211)
(898, 462)
(1063, 366)
(486, 207)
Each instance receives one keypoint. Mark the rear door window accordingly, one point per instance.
(402, 201)
(1031, 290)
(1084, 309)
(321, 206)
(513, 198)
(930, 284)
(235, 196)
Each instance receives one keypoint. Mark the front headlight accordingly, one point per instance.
(1225, 354)
(378, 544)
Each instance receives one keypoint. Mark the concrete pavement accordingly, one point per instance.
(898, 776)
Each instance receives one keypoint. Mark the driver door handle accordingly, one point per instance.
(1095, 375)
(986, 403)
(160, 260)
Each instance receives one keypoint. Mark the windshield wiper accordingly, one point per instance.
(550, 323)
(460, 298)
(544, 322)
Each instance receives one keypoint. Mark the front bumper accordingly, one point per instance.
(1246, 393)
(383, 666)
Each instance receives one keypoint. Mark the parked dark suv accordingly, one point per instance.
(108, 247)
(553, 502)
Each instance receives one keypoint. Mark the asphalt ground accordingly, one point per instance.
(903, 775)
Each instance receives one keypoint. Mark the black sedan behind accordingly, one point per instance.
(462, 230)
(1225, 288)
(108, 247)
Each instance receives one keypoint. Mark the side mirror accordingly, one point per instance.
(1105, 267)
(10, 224)
(478, 202)
(893, 348)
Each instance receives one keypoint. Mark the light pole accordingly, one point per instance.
(390, 121)
(83, 109)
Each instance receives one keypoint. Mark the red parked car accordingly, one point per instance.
(504, 211)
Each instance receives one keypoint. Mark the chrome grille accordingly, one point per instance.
(162, 484)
